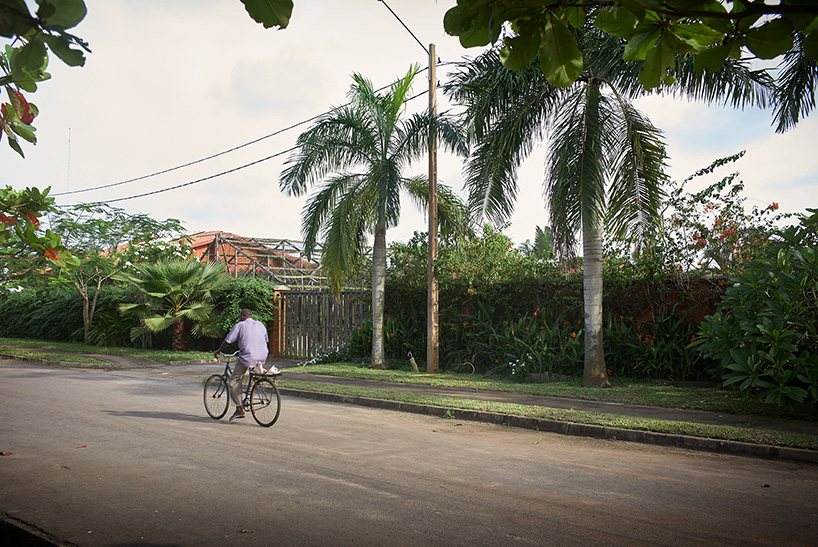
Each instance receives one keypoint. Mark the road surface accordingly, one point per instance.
(101, 458)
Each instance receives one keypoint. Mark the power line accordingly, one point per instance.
(404, 26)
(239, 168)
(203, 179)
(192, 162)
(213, 156)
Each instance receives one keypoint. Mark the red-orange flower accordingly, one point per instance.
(51, 254)
(11, 221)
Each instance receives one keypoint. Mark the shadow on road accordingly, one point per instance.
(156, 415)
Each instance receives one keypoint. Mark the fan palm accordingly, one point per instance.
(356, 155)
(605, 166)
(175, 292)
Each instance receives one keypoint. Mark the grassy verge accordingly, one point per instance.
(730, 433)
(687, 396)
(67, 348)
(51, 356)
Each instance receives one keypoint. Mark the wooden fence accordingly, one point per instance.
(314, 320)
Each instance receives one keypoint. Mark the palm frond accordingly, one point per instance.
(794, 96)
(320, 206)
(453, 215)
(506, 113)
(339, 140)
(345, 235)
(575, 181)
(637, 171)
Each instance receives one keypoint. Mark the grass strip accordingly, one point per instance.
(160, 356)
(52, 356)
(685, 396)
(729, 433)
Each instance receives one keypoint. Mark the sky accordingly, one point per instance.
(171, 83)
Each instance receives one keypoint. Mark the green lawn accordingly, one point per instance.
(688, 396)
(65, 349)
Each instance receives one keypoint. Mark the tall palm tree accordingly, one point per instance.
(605, 166)
(357, 154)
(175, 292)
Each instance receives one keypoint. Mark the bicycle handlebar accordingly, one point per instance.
(230, 354)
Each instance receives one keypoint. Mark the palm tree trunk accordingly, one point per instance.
(179, 340)
(595, 374)
(378, 291)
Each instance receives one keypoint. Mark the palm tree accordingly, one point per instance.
(175, 292)
(605, 159)
(358, 153)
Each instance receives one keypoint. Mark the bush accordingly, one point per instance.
(256, 294)
(765, 330)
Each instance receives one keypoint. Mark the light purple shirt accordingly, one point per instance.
(252, 338)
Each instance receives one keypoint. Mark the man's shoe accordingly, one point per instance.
(274, 371)
(236, 417)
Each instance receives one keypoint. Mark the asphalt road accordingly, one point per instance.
(101, 458)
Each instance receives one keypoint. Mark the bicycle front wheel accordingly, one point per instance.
(265, 402)
(216, 396)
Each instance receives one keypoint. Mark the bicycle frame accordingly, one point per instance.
(260, 397)
(228, 372)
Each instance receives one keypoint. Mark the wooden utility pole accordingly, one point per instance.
(432, 322)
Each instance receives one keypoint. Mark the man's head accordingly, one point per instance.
(246, 314)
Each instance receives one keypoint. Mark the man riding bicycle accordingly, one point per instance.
(252, 338)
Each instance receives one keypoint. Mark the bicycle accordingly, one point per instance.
(261, 396)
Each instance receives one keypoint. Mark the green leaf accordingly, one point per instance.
(560, 56)
(61, 14)
(62, 49)
(697, 35)
(475, 37)
(14, 22)
(810, 45)
(270, 13)
(654, 70)
(520, 50)
(712, 59)
(642, 41)
(618, 22)
(472, 24)
(770, 39)
(25, 131)
(574, 16)
(31, 59)
(16, 147)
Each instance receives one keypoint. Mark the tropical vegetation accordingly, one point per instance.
(357, 154)
(174, 292)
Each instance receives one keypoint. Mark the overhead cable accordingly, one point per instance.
(213, 156)
(228, 171)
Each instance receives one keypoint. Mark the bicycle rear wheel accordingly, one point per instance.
(216, 396)
(265, 402)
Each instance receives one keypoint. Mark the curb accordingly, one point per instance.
(720, 446)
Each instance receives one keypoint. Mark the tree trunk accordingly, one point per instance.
(378, 291)
(86, 320)
(595, 374)
(179, 339)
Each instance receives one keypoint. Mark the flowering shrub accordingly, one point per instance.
(711, 230)
(765, 330)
